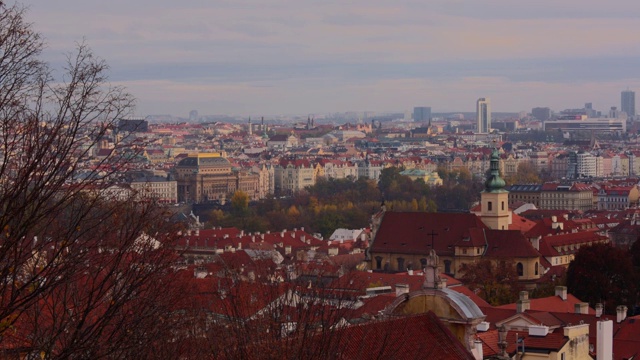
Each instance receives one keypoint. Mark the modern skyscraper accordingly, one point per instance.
(628, 102)
(541, 113)
(483, 114)
(421, 113)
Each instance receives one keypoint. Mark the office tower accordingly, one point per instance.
(628, 102)
(421, 113)
(483, 114)
(541, 113)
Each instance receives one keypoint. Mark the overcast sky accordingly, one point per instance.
(252, 57)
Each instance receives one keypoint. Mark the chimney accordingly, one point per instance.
(410, 272)
(621, 313)
(581, 308)
(282, 233)
(599, 310)
(523, 304)
(302, 228)
(483, 326)
(302, 238)
(538, 330)
(239, 246)
(477, 350)
(197, 232)
(561, 291)
(554, 219)
(402, 289)
(604, 340)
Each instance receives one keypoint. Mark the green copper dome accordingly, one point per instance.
(494, 182)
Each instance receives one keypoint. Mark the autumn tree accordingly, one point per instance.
(239, 203)
(527, 173)
(81, 264)
(497, 283)
(602, 273)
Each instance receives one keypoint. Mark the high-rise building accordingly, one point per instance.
(541, 113)
(483, 114)
(628, 102)
(421, 113)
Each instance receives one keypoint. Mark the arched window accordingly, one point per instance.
(520, 269)
(378, 262)
(447, 266)
(536, 268)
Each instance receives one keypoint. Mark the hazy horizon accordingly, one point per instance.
(247, 57)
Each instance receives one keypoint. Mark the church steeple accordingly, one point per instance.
(494, 182)
(495, 198)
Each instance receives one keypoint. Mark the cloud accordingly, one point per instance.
(331, 51)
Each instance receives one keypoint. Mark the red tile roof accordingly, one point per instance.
(415, 337)
(551, 304)
(509, 244)
(408, 232)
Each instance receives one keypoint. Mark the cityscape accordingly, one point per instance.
(175, 204)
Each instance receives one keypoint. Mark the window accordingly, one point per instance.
(536, 268)
(447, 266)
(378, 262)
(503, 206)
(489, 206)
(401, 264)
(520, 269)
(423, 262)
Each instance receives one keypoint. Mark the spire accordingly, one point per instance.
(494, 182)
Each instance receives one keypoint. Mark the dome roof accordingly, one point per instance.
(494, 182)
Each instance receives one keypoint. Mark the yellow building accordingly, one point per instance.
(206, 177)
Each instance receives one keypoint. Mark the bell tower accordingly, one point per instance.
(494, 198)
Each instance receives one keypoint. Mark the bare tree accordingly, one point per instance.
(82, 274)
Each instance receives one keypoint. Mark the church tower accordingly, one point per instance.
(494, 198)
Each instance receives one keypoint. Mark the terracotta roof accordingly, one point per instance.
(416, 337)
(408, 232)
(551, 304)
(509, 244)
(553, 341)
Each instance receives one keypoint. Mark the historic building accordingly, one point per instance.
(156, 187)
(403, 240)
(293, 175)
(206, 177)
(557, 196)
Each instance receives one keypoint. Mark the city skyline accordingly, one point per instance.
(250, 57)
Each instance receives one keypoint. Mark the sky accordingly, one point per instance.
(261, 57)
